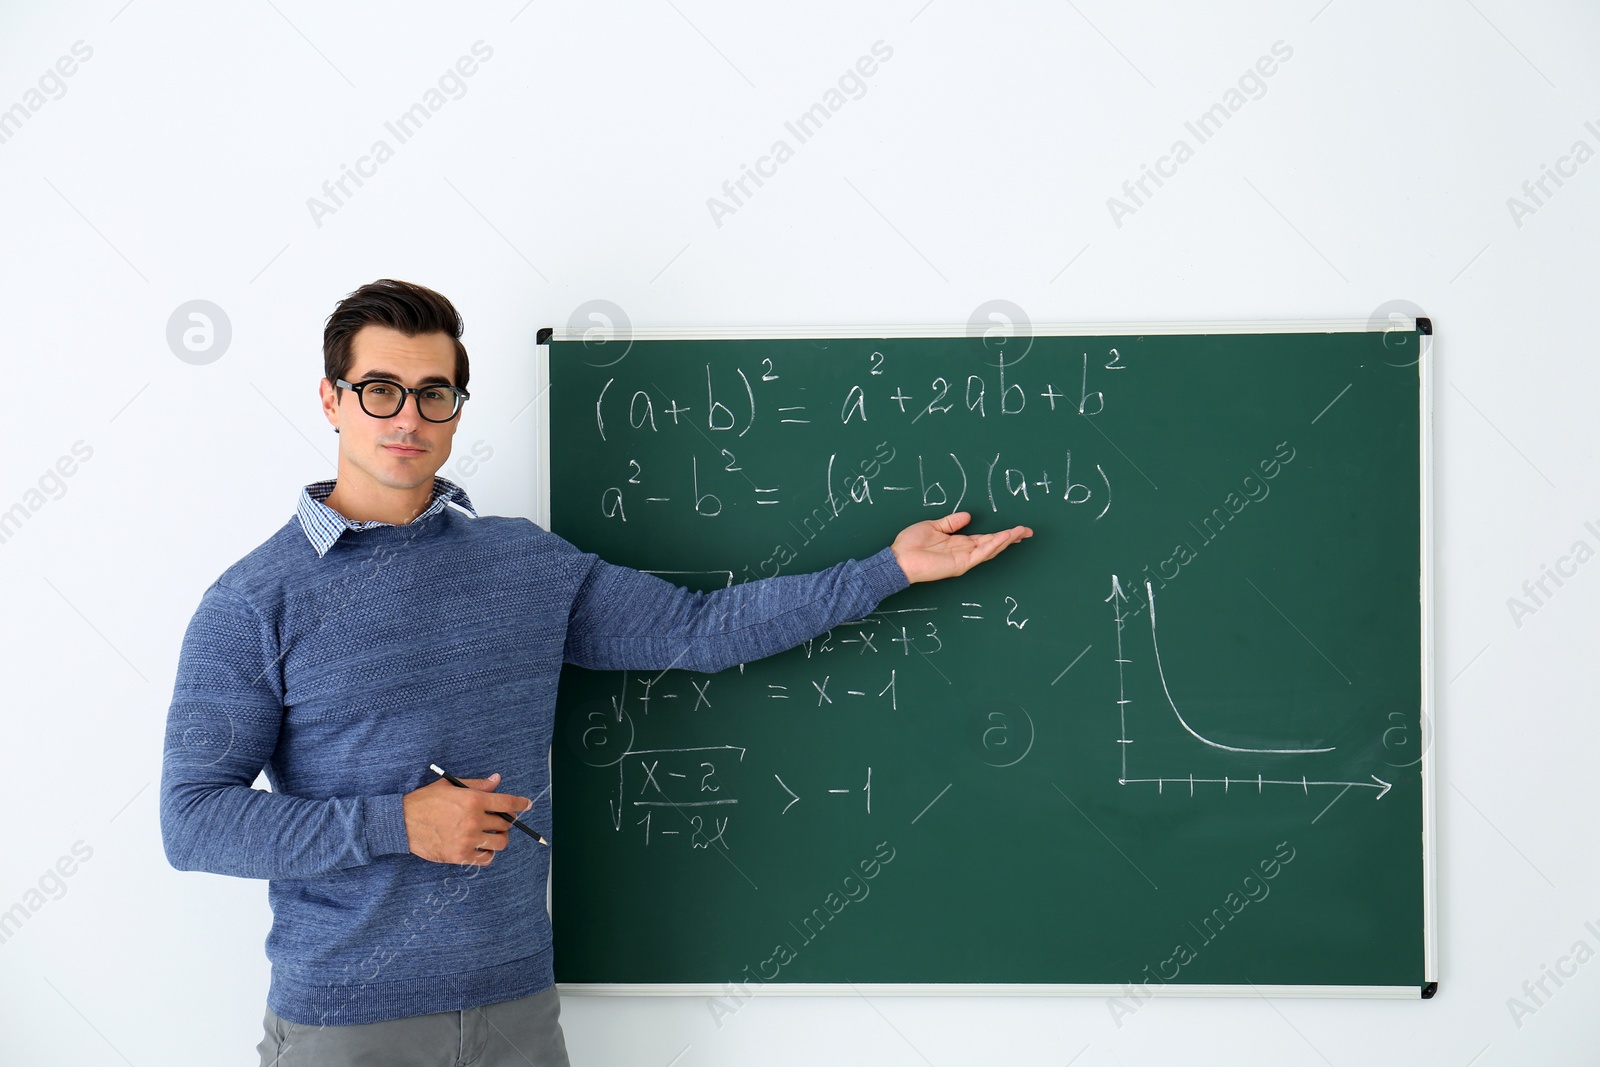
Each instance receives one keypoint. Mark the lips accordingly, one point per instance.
(401, 450)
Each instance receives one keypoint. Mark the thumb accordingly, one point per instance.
(487, 785)
(953, 522)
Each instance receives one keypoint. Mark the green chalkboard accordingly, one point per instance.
(1176, 741)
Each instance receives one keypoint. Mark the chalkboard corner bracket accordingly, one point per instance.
(1429, 989)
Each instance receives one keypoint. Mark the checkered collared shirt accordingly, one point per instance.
(323, 525)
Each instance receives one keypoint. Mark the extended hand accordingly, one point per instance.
(450, 825)
(933, 550)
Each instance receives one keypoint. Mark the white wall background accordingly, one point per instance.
(175, 164)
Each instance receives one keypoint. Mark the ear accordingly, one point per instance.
(330, 401)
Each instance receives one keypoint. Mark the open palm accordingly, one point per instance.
(931, 550)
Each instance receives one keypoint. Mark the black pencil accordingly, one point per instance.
(453, 780)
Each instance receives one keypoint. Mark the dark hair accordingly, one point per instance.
(412, 309)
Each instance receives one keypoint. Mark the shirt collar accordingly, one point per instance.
(323, 525)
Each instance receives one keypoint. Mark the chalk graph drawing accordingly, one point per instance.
(1117, 599)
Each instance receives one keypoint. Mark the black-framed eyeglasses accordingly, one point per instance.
(383, 399)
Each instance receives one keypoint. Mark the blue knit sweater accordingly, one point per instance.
(441, 641)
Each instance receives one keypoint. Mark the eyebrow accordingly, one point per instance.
(433, 379)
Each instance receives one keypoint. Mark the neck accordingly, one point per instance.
(364, 502)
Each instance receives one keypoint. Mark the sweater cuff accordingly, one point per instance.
(882, 575)
(386, 825)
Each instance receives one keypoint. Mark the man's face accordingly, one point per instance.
(404, 451)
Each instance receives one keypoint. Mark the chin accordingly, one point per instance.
(407, 477)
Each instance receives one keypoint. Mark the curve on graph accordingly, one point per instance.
(1197, 735)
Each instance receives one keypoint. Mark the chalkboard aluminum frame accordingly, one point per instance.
(1422, 327)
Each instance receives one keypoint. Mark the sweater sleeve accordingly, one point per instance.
(222, 728)
(625, 620)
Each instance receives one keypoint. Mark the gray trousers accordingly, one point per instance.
(516, 1033)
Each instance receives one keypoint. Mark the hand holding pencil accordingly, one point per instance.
(452, 821)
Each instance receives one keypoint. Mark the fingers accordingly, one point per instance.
(512, 805)
(507, 802)
(991, 545)
(484, 822)
(1012, 536)
(482, 830)
(484, 846)
(986, 549)
(495, 820)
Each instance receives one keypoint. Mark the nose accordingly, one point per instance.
(410, 414)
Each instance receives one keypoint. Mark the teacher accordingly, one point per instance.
(387, 626)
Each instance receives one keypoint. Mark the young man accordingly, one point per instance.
(386, 627)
